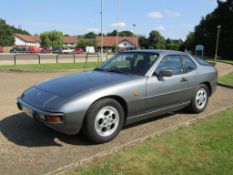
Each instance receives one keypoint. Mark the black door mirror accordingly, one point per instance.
(165, 73)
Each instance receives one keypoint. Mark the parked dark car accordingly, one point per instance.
(129, 87)
(57, 50)
(19, 50)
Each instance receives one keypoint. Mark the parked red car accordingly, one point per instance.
(33, 49)
(78, 51)
(1, 50)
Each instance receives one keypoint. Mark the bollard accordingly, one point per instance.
(86, 58)
(57, 58)
(74, 57)
(15, 59)
(98, 57)
(38, 58)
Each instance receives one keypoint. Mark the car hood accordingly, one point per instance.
(76, 84)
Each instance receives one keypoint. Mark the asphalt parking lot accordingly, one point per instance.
(27, 147)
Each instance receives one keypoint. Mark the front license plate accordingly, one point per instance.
(28, 111)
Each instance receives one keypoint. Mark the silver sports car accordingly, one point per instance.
(129, 87)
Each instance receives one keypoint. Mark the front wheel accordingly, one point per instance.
(200, 101)
(104, 120)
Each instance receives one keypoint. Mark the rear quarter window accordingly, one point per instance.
(201, 61)
(189, 65)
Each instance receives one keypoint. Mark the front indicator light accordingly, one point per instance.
(54, 119)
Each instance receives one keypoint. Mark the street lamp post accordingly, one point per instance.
(217, 41)
(134, 41)
(117, 27)
(102, 36)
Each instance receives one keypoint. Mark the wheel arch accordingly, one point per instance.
(208, 84)
(120, 100)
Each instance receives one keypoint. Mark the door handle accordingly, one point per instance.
(183, 79)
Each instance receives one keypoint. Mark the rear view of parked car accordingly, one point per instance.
(67, 51)
(33, 49)
(130, 87)
(19, 50)
(78, 51)
(57, 50)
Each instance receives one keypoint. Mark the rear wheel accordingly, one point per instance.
(200, 101)
(104, 120)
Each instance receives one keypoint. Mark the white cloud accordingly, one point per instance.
(118, 24)
(172, 14)
(160, 28)
(167, 14)
(156, 15)
(95, 30)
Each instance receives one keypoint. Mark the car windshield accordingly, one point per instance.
(129, 63)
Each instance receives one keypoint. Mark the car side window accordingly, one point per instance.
(189, 65)
(170, 62)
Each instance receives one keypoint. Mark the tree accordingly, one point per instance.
(83, 43)
(52, 39)
(6, 34)
(189, 44)
(156, 40)
(174, 44)
(122, 33)
(90, 35)
(143, 42)
(113, 33)
(206, 31)
(126, 33)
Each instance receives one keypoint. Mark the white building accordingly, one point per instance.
(22, 40)
(124, 43)
(70, 41)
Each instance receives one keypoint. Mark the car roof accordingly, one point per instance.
(156, 51)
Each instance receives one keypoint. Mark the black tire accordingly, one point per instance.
(194, 107)
(89, 128)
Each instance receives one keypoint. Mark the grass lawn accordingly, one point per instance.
(227, 79)
(221, 60)
(202, 148)
(227, 61)
(46, 67)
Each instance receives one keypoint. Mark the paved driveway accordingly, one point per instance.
(26, 147)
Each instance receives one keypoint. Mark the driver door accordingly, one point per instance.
(166, 91)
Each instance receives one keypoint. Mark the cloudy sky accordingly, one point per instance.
(173, 18)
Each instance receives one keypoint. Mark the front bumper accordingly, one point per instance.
(40, 115)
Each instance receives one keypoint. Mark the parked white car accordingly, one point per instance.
(67, 51)
(90, 49)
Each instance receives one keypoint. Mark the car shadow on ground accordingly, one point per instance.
(25, 131)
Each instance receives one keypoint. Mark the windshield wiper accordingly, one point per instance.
(99, 69)
(118, 71)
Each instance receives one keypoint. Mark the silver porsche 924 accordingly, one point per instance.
(129, 87)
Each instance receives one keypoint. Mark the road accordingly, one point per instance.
(27, 147)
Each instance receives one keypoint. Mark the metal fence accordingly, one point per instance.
(49, 58)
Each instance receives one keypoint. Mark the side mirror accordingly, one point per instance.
(165, 73)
